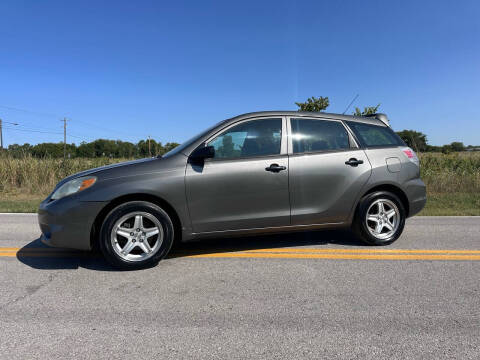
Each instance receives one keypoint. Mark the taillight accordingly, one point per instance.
(410, 155)
(409, 152)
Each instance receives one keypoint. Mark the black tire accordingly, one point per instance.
(359, 225)
(105, 242)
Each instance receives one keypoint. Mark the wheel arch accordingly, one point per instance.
(390, 188)
(169, 209)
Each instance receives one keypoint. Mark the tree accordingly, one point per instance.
(86, 150)
(142, 148)
(169, 146)
(19, 151)
(457, 146)
(367, 110)
(125, 149)
(54, 150)
(314, 104)
(414, 139)
(433, 148)
(446, 149)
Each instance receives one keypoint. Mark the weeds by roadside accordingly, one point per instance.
(453, 181)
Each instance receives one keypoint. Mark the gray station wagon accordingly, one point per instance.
(256, 173)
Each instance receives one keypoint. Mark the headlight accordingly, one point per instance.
(73, 186)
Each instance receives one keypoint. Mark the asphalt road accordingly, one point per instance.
(296, 296)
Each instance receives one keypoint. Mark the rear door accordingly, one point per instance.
(327, 171)
(245, 185)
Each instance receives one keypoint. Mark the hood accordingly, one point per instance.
(104, 168)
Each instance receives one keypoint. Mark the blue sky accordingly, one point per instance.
(129, 69)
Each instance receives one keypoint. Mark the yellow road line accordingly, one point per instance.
(34, 250)
(70, 255)
(283, 250)
(11, 254)
(45, 254)
(363, 251)
(282, 253)
(40, 252)
(337, 256)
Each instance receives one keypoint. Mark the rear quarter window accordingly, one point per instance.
(375, 135)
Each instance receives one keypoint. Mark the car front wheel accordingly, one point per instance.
(380, 218)
(136, 235)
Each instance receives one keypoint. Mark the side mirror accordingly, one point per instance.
(202, 153)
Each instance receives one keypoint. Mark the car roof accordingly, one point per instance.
(332, 116)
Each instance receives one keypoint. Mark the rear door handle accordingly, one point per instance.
(275, 168)
(353, 162)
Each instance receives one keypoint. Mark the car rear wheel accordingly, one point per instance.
(136, 235)
(380, 218)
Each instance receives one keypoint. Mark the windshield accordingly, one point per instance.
(190, 141)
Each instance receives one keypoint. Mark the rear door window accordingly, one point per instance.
(313, 135)
(374, 135)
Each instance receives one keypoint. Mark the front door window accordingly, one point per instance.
(249, 139)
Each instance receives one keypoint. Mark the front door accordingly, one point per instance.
(245, 185)
(327, 171)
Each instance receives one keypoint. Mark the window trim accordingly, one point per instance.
(353, 142)
(283, 139)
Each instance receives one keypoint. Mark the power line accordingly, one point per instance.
(9, 122)
(42, 128)
(107, 129)
(76, 120)
(77, 136)
(31, 130)
(38, 127)
(27, 111)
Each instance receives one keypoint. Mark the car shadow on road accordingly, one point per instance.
(39, 256)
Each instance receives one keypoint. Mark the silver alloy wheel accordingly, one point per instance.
(383, 218)
(137, 236)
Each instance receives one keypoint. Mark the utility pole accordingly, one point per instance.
(149, 151)
(64, 138)
(1, 130)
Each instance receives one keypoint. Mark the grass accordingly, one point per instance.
(19, 204)
(453, 181)
(455, 204)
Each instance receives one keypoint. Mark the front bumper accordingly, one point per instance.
(68, 222)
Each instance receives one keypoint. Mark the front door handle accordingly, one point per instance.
(353, 162)
(275, 168)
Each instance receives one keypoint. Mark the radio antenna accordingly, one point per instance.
(351, 102)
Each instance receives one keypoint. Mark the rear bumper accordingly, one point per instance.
(417, 196)
(68, 222)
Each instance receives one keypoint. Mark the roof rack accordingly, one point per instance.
(379, 116)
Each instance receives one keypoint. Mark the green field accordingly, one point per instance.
(453, 181)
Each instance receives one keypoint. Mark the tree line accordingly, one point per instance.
(96, 148)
